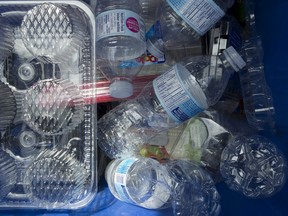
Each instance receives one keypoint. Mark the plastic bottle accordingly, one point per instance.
(194, 192)
(202, 141)
(120, 42)
(257, 96)
(139, 181)
(149, 9)
(175, 96)
(181, 21)
(254, 166)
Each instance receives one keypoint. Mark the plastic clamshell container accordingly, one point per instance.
(48, 108)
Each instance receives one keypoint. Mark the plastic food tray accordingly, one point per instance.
(48, 111)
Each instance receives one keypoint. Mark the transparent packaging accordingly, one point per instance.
(48, 112)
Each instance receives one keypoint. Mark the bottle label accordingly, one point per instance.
(121, 178)
(201, 15)
(174, 96)
(120, 22)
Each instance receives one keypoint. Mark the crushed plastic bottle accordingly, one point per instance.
(254, 166)
(194, 192)
(175, 96)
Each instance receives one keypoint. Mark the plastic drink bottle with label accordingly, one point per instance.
(181, 20)
(253, 166)
(120, 43)
(194, 192)
(172, 98)
(140, 181)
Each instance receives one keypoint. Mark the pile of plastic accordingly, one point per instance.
(197, 122)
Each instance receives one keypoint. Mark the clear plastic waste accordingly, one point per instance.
(175, 96)
(181, 21)
(53, 106)
(8, 38)
(149, 10)
(120, 43)
(253, 166)
(8, 177)
(55, 178)
(8, 106)
(140, 181)
(194, 192)
(202, 141)
(48, 111)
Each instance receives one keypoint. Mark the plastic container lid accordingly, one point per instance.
(234, 58)
(121, 89)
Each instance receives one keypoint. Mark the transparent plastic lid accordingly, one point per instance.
(48, 121)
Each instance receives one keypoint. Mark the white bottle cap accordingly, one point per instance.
(121, 89)
(234, 58)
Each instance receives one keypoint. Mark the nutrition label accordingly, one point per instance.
(119, 22)
(121, 178)
(174, 96)
(201, 15)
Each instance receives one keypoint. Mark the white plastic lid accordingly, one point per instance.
(234, 58)
(121, 89)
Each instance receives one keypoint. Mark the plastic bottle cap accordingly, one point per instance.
(121, 89)
(234, 58)
(154, 50)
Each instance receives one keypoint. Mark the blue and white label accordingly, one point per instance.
(120, 22)
(120, 179)
(201, 15)
(174, 95)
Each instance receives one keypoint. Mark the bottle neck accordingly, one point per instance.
(229, 68)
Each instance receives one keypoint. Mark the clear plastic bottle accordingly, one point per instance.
(194, 192)
(257, 96)
(175, 96)
(149, 9)
(179, 21)
(202, 141)
(140, 181)
(254, 166)
(120, 43)
(120, 30)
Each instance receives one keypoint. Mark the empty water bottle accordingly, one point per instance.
(194, 192)
(257, 97)
(140, 181)
(202, 141)
(149, 9)
(175, 96)
(181, 21)
(254, 166)
(120, 42)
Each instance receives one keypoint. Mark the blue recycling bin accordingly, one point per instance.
(272, 24)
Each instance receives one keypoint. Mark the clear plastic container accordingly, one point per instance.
(48, 123)
(120, 42)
